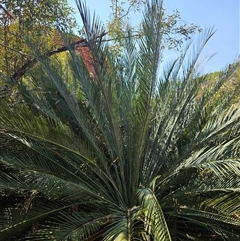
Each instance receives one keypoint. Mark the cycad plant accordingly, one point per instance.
(125, 153)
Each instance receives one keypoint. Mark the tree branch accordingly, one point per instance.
(18, 74)
(10, 15)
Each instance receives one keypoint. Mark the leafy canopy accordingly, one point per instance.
(33, 22)
(175, 30)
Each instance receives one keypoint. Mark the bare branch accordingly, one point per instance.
(10, 15)
(18, 74)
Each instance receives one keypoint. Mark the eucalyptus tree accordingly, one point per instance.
(126, 152)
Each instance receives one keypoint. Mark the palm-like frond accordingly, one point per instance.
(154, 219)
(126, 153)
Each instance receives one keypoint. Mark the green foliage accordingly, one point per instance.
(230, 88)
(175, 30)
(126, 154)
(36, 23)
(30, 13)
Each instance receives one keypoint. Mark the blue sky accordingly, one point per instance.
(223, 15)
